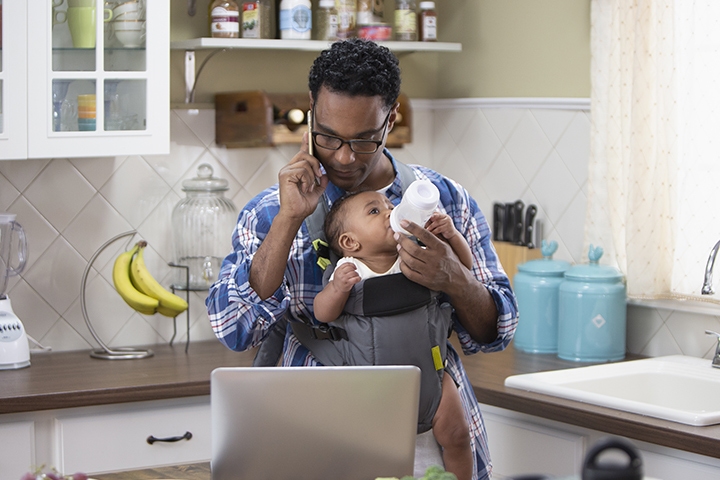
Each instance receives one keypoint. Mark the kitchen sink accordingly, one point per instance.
(678, 388)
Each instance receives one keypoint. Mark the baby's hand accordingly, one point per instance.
(345, 276)
(441, 225)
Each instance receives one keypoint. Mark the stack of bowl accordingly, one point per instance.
(86, 112)
(129, 23)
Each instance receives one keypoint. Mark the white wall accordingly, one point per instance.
(69, 207)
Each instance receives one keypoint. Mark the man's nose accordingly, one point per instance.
(345, 155)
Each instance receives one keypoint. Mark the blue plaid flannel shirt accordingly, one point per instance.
(240, 319)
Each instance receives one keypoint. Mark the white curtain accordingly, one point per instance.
(654, 172)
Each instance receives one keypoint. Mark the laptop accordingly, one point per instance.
(313, 422)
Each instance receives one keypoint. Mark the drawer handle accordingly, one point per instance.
(152, 439)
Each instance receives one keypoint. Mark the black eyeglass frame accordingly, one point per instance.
(377, 143)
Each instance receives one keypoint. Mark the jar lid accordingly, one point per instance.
(427, 5)
(594, 272)
(205, 182)
(545, 265)
(6, 217)
(327, 3)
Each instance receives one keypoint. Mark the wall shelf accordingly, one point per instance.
(206, 43)
(222, 44)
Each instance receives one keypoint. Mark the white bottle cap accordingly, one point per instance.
(418, 204)
(327, 3)
(426, 5)
(423, 195)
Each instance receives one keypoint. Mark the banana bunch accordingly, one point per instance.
(139, 289)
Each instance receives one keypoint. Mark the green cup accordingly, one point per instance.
(82, 23)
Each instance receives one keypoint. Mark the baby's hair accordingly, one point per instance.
(334, 224)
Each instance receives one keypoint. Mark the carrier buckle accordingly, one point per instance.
(328, 332)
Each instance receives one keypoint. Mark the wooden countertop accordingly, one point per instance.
(73, 379)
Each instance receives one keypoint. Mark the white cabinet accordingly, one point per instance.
(523, 444)
(13, 81)
(519, 446)
(111, 439)
(17, 438)
(106, 438)
(96, 82)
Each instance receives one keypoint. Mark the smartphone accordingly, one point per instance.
(310, 140)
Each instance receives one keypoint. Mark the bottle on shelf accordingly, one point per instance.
(405, 21)
(224, 19)
(292, 118)
(326, 21)
(295, 19)
(364, 12)
(258, 19)
(428, 22)
(347, 12)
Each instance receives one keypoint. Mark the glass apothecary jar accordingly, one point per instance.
(202, 225)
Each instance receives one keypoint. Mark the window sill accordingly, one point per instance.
(709, 307)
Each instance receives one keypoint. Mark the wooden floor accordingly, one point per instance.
(197, 471)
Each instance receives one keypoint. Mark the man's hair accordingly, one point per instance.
(334, 223)
(357, 67)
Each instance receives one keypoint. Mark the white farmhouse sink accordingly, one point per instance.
(677, 388)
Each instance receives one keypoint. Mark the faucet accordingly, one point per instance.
(716, 357)
(707, 284)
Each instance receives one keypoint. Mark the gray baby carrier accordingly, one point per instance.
(387, 320)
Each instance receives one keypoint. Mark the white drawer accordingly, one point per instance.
(18, 451)
(116, 439)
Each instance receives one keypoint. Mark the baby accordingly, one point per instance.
(358, 229)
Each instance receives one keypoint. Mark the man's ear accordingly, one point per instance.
(348, 243)
(393, 116)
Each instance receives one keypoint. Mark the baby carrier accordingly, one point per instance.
(387, 320)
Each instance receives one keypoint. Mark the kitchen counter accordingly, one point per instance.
(73, 379)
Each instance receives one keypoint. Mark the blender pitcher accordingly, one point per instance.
(14, 347)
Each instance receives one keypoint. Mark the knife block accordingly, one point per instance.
(511, 255)
(246, 119)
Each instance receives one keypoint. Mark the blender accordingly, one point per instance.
(14, 346)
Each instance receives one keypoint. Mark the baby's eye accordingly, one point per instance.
(374, 211)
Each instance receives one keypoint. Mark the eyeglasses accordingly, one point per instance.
(331, 142)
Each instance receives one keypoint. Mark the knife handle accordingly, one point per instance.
(518, 207)
(529, 225)
(498, 221)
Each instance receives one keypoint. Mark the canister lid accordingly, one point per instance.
(205, 182)
(545, 265)
(594, 272)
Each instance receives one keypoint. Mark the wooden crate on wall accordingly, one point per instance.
(246, 119)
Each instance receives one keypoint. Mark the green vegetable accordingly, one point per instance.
(433, 472)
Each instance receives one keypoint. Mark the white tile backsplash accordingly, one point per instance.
(70, 207)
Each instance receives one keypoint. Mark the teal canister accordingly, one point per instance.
(537, 289)
(593, 312)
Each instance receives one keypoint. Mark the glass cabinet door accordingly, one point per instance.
(13, 80)
(102, 79)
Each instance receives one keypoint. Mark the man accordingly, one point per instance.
(272, 274)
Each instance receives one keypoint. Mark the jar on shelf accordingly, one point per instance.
(428, 22)
(224, 19)
(295, 19)
(405, 21)
(202, 225)
(257, 19)
(326, 21)
(347, 12)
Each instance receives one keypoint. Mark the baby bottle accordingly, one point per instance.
(418, 204)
